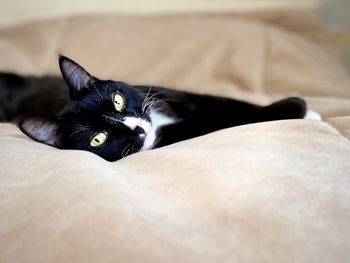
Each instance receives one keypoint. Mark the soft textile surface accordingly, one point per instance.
(273, 192)
(267, 192)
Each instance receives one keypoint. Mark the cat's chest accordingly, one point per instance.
(159, 119)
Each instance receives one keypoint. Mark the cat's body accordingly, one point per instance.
(27, 96)
(114, 119)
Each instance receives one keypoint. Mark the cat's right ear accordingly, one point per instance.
(78, 79)
(44, 129)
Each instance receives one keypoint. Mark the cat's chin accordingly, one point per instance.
(149, 140)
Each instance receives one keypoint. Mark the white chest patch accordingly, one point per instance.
(158, 120)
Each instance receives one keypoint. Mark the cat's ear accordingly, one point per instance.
(42, 129)
(78, 79)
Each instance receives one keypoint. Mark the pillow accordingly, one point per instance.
(266, 192)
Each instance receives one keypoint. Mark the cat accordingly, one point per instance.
(114, 119)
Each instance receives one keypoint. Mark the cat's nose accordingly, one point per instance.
(139, 130)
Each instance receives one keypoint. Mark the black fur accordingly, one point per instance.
(27, 96)
(68, 120)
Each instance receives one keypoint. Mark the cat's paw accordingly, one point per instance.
(312, 115)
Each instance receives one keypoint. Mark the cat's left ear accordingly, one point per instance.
(78, 79)
(44, 129)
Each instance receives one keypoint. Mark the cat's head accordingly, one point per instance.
(107, 118)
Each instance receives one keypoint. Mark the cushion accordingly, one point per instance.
(265, 192)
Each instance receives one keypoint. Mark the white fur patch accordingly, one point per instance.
(312, 115)
(133, 122)
(149, 140)
(149, 136)
(158, 120)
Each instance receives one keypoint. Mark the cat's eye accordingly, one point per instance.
(98, 139)
(119, 102)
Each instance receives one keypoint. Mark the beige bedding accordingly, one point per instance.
(267, 192)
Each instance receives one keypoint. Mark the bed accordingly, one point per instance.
(267, 192)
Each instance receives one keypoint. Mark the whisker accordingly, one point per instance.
(149, 100)
(155, 105)
(97, 91)
(146, 98)
(124, 150)
(78, 131)
(127, 152)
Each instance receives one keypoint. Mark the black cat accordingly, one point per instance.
(113, 119)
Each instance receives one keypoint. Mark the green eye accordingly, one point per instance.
(98, 139)
(119, 102)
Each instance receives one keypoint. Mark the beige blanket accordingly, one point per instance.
(267, 192)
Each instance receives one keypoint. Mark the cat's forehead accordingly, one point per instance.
(111, 86)
(99, 100)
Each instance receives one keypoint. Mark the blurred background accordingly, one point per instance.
(14, 11)
(335, 13)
